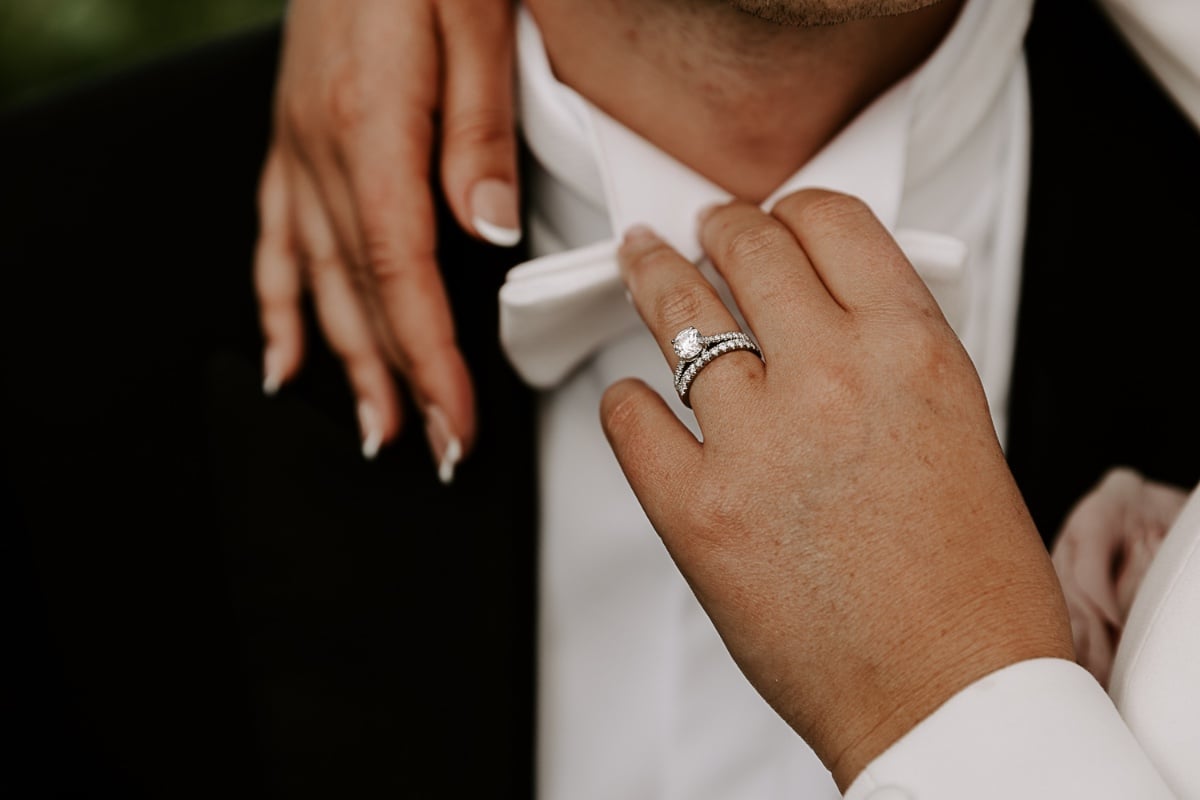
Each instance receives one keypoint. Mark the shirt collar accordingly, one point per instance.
(913, 127)
(592, 178)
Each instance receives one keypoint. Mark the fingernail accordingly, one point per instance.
(707, 212)
(272, 374)
(447, 449)
(494, 212)
(639, 233)
(372, 433)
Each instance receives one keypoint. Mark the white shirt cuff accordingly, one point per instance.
(1037, 729)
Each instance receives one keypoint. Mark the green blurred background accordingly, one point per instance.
(45, 44)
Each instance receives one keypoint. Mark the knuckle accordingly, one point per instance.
(913, 350)
(295, 115)
(346, 99)
(621, 412)
(924, 357)
(478, 128)
(381, 254)
(827, 209)
(682, 304)
(372, 196)
(387, 253)
(733, 380)
(657, 257)
(717, 513)
(1117, 476)
(388, 271)
(415, 131)
(324, 264)
(837, 388)
(753, 243)
(734, 371)
(935, 355)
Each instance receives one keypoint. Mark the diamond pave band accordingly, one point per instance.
(689, 343)
(696, 351)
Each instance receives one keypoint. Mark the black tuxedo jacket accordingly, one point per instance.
(211, 594)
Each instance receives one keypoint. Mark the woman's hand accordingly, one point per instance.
(1102, 553)
(346, 206)
(848, 522)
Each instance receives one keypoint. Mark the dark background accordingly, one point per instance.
(45, 44)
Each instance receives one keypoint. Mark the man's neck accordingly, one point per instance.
(742, 101)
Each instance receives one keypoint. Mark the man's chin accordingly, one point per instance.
(814, 13)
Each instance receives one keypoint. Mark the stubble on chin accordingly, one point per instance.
(815, 13)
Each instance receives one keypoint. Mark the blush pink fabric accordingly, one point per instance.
(1102, 553)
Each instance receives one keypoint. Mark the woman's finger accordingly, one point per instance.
(1161, 504)
(671, 295)
(278, 278)
(659, 456)
(770, 276)
(387, 164)
(342, 319)
(855, 256)
(327, 168)
(1097, 650)
(1090, 543)
(479, 153)
(1092, 562)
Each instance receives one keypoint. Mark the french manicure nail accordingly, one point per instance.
(494, 212)
(372, 434)
(271, 372)
(446, 447)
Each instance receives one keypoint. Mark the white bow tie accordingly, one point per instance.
(556, 311)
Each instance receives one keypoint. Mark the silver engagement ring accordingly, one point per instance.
(697, 351)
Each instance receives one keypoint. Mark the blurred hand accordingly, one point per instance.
(345, 199)
(1102, 553)
(848, 522)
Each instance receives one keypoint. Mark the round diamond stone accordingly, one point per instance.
(687, 343)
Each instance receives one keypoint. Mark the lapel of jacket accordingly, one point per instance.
(1107, 326)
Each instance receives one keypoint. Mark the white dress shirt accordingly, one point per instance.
(638, 697)
(1166, 36)
(1156, 670)
(1037, 729)
(1045, 728)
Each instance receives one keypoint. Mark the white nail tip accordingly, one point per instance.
(372, 435)
(449, 461)
(496, 234)
(270, 385)
(371, 445)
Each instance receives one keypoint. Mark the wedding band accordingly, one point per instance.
(696, 352)
(689, 344)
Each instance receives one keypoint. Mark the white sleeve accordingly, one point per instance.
(1166, 36)
(1037, 729)
(1156, 673)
